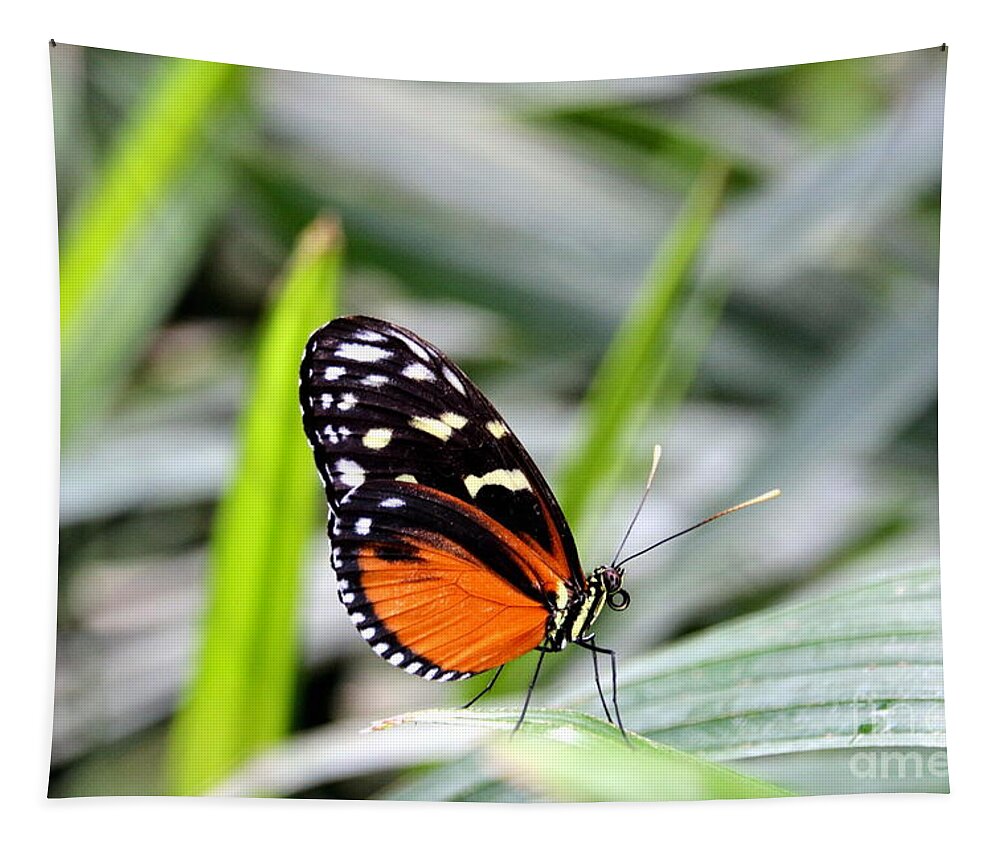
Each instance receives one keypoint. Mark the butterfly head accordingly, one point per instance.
(610, 579)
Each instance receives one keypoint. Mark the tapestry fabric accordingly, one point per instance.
(393, 414)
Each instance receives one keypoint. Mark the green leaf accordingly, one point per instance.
(101, 344)
(560, 755)
(131, 240)
(802, 676)
(840, 692)
(636, 365)
(242, 693)
(645, 362)
(852, 409)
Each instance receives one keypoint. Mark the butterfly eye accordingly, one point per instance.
(611, 580)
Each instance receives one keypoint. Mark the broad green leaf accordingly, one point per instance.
(845, 669)
(558, 755)
(567, 756)
(849, 680)
(242, 693)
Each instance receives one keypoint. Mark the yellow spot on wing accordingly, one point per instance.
(455, 421)
(377, 438)
(406, 477)
(496, 428)
(438, 428)
(562, 596)
(513, 480)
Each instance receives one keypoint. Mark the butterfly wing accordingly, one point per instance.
(435, 585)
(381, 404)
(391, 418)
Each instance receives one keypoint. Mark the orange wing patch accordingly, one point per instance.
(450, 608)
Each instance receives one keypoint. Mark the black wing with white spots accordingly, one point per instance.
(380, 404)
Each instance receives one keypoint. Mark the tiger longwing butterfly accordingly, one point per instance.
(451, 553)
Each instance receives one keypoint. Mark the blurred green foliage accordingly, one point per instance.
(241, 698)
(778, 330)
(135, 233)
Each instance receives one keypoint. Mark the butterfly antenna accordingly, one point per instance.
(764, 497)
(657, 451)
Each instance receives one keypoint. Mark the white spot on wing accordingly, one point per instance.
(362, 353)
(431, 673)
(448, 676)
(326, 400)
(380, 648)
(347, 401)
(357, 617)
(377, 438)
(370, 336)
(352, 474)
(363, 526)
(374, 380)
(392, 502)
(418, 372)
(334, 372)
(368, 632)
(396, 659)
(413, 667)
(347, 597)
(331, 434)
(453, 380)
(513, 480)
(414, 347)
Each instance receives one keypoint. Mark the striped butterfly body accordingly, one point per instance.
(451, 553)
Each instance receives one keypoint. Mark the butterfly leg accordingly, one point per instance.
(531, 688)
(486, 690)
(597, 680)
(614, 687)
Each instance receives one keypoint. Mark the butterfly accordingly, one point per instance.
(451, 553)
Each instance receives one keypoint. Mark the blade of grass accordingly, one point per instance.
(102, 343)
(242, 694)
(643, 361)
(152, 147)
(852, 409)
(107, 258)
(632, 373)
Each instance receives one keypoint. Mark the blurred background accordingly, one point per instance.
(521, 228)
